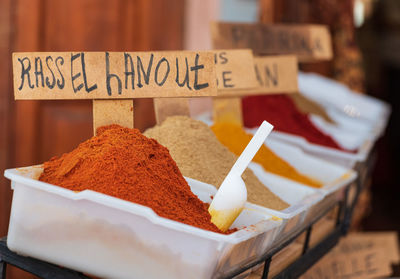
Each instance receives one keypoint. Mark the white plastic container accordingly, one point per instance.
(333, 94)
(345, 159)
(300, 198)
(348, 136)
(111, 238)
(362, 141)
(330, 174)
(335, 178)
(344, 121)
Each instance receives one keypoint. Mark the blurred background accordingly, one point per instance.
(366, 41)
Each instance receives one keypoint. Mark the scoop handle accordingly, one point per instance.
(251, 149)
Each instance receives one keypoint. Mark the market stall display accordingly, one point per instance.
(228, 202)
(199, 155)
(283, 113)
(235, 138)
(125, 204)
(123, 163)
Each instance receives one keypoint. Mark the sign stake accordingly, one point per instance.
(106, 112)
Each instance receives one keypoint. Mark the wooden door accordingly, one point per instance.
(34, 131)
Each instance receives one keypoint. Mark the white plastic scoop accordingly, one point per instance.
(229, 201)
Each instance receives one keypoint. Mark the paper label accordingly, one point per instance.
(113, 75)
(308, 42)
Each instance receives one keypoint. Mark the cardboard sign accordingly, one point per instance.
(113, 75)
(166, 107)
(308, 42)
(366, 264)
(275, 74)
(370, 240)
(358, 256)
(228, 110)
(106, 112)
(235, 69)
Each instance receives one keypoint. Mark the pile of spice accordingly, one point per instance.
(306, 105)
(281, 112)
(236, 139)
(123, 163)
(199, 155)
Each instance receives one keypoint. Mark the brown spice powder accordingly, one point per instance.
(306, 105)
(199, 155)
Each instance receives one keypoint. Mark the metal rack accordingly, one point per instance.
(309, 255)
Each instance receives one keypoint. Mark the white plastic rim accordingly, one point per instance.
(305, 196)
(19, 175)
(332, 176)
(348, 138)
(318, 168)
(360, 156)
(349, 159)
(331, 93)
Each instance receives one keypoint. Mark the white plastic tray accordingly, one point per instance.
(335, 178)
(333, 94)
(332, 176)
(350, 138)
(345, 159)
(344, 121)
(361, 140)
(111, 238)
(301, 199)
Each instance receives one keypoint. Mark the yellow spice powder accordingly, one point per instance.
(235, 139)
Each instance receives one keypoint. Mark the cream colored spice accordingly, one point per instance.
(199, 155)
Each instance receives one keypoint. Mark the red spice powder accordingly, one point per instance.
(123, 163)
(282, 112)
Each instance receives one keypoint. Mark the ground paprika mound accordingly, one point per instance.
(236, 139)
(123, 163)
(281, 112)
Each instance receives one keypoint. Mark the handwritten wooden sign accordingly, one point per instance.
(308, 42)
(113, 75)
(359, 255)
(235, 69)
(274, 74)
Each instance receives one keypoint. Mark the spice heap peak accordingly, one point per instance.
(200, 155)
(125, 164)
